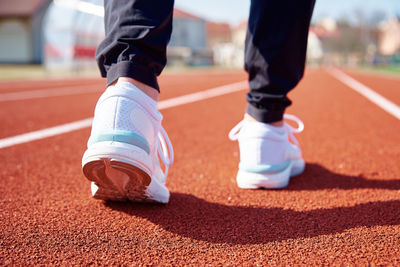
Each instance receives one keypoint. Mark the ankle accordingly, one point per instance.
(148, 90)
(248, 117)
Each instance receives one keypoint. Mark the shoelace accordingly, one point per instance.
(234, 133)
(291, 130)
(165, 150)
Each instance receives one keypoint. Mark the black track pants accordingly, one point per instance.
(138, 31)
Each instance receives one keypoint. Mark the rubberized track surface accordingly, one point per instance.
(344, 209)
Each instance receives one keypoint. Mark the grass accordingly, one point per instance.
(29, 72)
(14, 72)
(389, 69)
(18, 72)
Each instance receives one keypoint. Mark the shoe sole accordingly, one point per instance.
(252, 180)
(117, 172)
(117, 181)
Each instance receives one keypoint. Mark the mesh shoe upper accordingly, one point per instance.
(264, 144)
(125, 114)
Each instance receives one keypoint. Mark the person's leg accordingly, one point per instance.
(275, 52)
(127, 139)
(137, 34)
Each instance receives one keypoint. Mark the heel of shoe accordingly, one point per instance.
(122, 152)
(268, 180)
(119, 171)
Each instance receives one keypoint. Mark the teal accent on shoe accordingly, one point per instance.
(262, 168)
(121, 136)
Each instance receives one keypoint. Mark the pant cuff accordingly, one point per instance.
(265, 115)
(132, 70)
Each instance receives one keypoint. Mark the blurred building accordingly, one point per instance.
(188, 44)
(370, 41)
(325, 43)
(389, 37)
(314, 48)
(188, 30)
(218, 33)
(239, 34)
(231, 54)
(73, 30)
(21, 31)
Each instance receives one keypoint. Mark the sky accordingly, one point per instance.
(234, 11)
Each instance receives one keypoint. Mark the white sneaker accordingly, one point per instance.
(267, 158)
(126, 142)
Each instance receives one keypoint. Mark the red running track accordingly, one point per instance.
(343, 210)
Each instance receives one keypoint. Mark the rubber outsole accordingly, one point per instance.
(121, 172)
(117, 181)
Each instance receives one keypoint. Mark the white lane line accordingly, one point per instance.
(185, 99)
(44, 133)
(77, 90)
(77, 125)
(367, 92)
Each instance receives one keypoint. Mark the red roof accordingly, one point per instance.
(179, 13)
(214, 28)
(20, 8)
